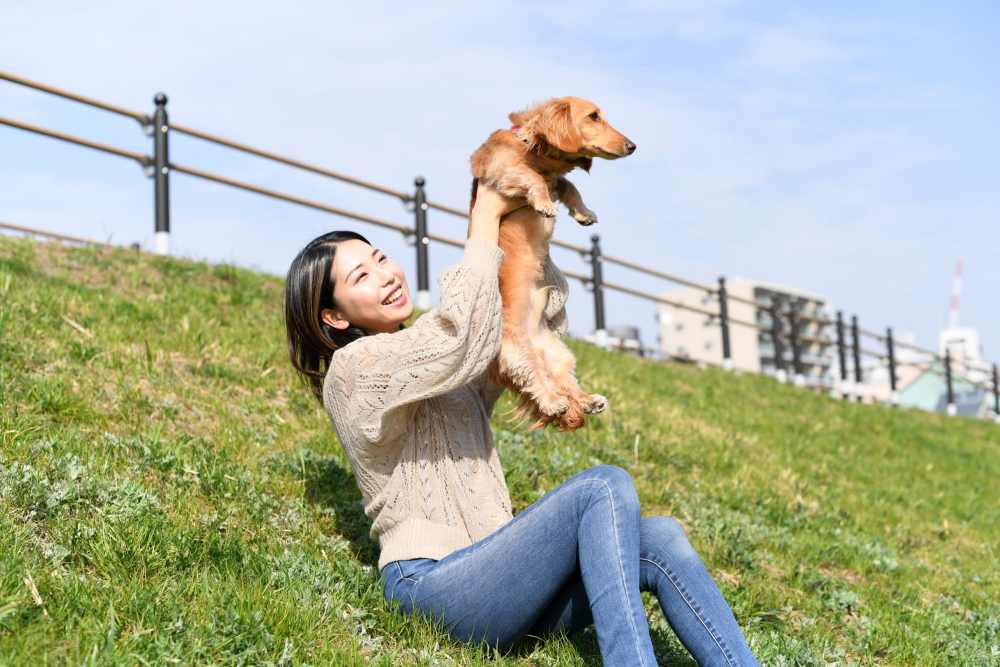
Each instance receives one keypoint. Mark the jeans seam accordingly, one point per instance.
(621, 566)
(718, 640)
(635, 632)
(403, 576)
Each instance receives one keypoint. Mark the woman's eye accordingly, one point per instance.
(594, 116)
(383, 258)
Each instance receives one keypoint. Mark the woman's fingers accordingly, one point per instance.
(488, 197)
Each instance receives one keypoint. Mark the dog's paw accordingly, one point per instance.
(597, 404)
(586, 217)
(547, 209)
(554, 407)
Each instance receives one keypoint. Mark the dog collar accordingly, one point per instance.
(514, 129)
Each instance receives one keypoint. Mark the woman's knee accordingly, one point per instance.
(665, 535)
(618, 481)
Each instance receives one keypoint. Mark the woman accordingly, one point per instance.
(411, 407)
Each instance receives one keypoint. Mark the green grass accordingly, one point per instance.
(171, 494)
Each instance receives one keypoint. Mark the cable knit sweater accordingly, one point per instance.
(412, 411)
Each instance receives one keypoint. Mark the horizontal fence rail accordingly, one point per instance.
(56, 236)
(786, 331)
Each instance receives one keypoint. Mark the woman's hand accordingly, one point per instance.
(489, 202)
(490, 206)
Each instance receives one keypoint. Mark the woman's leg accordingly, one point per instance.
(689, 598)
(496, 589)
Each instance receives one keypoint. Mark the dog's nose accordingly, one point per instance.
(629, 147)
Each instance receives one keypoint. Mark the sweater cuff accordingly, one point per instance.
(480, 253)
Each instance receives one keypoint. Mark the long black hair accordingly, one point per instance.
(308, 290)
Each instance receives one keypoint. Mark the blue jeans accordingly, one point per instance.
(578, 555)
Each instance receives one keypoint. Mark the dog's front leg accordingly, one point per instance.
(567, 193)
(522, 181)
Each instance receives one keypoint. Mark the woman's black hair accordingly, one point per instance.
(308, 290)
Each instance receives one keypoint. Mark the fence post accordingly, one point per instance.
(727, 360)
(996, 393)
(842, 356)
(890, 349)
(597, 278)
(856, 350)
(420, 220)
(793, 321)
(161, 177)
(952, 408)
(779, 353)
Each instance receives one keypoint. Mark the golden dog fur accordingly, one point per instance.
(530, 160)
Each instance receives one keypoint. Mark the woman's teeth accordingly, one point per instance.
(393, 297)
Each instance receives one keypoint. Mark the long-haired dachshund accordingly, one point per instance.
(530, 160)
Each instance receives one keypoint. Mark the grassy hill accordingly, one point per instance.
(169, 492)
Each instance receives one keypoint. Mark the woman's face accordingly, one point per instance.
(364, 279)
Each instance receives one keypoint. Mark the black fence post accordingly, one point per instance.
(727, 361)
(793, 321)
(779, 352)
(420, 220)
(952, 408)
(161, 176)
(996, 393)
(856, 350)
(890, 349)
(597, 278)
(842, 355)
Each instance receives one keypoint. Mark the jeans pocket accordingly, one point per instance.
(400, 576)
(413, 568)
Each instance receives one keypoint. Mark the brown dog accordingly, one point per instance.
(530, 160)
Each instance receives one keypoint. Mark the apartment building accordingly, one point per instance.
(691, 335)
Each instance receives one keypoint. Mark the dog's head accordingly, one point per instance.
(573, 126)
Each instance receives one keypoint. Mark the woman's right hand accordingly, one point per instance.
(490, 206)
(490, 202)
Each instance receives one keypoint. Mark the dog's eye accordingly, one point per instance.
(594, 116)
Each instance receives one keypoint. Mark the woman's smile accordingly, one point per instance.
(396, 298)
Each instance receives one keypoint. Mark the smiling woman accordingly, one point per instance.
(412, 411)
(373, 298)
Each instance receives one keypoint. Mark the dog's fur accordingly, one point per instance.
(530, 160)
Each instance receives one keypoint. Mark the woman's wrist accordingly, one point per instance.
(484, 224)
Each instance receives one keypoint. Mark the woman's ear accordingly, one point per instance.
(331, 317)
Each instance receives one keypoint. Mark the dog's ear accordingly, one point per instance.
(555, 124)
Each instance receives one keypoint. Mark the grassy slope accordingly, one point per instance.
(176, 496)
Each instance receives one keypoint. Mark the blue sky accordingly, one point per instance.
(847, 149)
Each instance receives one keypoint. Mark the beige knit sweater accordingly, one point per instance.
(412, 412)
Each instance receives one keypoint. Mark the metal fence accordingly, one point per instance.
(786, 318)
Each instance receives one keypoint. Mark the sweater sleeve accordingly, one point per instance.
(447, 347)
(555, 309)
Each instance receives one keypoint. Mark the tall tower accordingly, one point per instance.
(963, 342)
